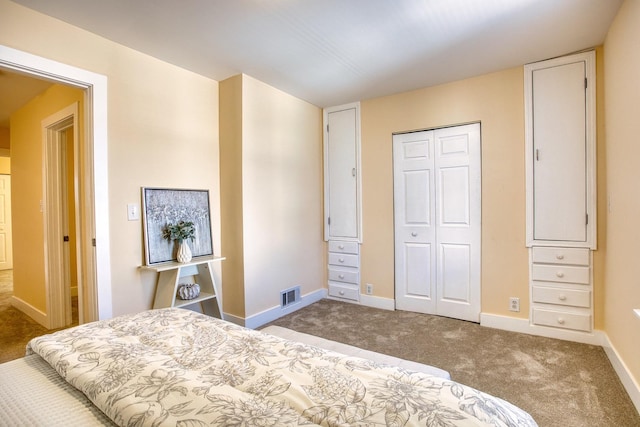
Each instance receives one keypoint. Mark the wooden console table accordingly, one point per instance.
(201, 268)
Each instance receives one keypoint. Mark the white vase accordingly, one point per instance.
(184, 252)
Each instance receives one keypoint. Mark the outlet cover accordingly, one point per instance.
(514, 304)
(369, 289)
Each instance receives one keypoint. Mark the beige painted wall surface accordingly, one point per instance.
(162, 131)
(4, 138)
(497, 101)
(282, 195)
(622, 63)
(27, 191)
(5, 165)
(231, 213)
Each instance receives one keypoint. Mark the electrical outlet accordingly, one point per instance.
(369, 289)
(514, 304)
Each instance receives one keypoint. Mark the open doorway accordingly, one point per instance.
(62, 219)
(92, 204)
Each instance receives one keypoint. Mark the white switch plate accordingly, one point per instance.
(133, 212)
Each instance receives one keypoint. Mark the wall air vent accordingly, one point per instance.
(289, 296)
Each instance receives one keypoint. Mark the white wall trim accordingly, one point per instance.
(629, 383)
(95, 86)
(271, 314)
(30, 311)
(378, 302)
(523, 326)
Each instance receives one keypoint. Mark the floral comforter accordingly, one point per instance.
(180, 368)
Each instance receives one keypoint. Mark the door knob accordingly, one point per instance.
(414, 234)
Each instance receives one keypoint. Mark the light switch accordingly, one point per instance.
(133, 212)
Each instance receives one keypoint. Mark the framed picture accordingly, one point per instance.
(162, 206)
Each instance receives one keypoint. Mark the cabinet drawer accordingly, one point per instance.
(343, 247)
(344, 260)
(571, 297)
(344, 275)
(344, 291)
(560, 273)
(573, 256)
(558, 319)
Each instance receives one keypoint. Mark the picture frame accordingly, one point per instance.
(162, 206)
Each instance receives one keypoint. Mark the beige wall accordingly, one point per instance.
(232, 213)
(4, 138)
(272, 157)
(162, 131)
(497, 101)
(5, 165)
(27, 191)
(622, 275)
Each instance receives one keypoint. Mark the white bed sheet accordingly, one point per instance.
(33, 394)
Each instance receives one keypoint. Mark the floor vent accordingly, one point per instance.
(289, 296)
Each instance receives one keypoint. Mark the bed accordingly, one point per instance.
(176, 367)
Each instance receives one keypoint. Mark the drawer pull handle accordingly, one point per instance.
(559, 274)
(340, 246)
(341, 292)
(414, 234)
(562, 298)
(341, 259)
(559, 256)
(341, 276)
(561, 320)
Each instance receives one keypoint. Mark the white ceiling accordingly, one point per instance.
(330, 52)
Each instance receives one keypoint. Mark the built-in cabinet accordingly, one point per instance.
(561, 289)
(561, 189)
(344, 270)
(342, 200)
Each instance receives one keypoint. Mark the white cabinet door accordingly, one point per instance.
(561, 151)
(342, 152)
(559, 166)
(437, 221)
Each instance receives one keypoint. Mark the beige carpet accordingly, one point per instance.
(559, 383)
(17, 328)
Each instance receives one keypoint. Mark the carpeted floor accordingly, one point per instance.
(17, 328)
(560, 383)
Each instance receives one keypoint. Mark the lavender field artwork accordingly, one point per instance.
(162, 206)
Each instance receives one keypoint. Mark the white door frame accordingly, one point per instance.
(56, 216)
(94, 202)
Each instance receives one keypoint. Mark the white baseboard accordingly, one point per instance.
(30, 311)
(629, 383)
(523, 326)
(378, 302)
(277, 312)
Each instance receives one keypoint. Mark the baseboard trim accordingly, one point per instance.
(378, 302)
(629, 383)
(30, 311)
(271, 314)
(523, 326)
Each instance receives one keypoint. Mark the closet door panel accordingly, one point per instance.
(559, 164)
(342, 176)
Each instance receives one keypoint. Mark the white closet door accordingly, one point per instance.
(458, 194)
(559, 164)
(415, 243)
(437, 221)
(341, 182)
